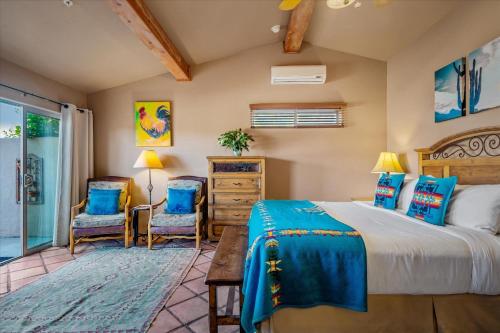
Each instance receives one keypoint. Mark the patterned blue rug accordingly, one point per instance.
(110, 289)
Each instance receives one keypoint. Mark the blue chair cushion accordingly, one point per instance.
(431, 198)
(387, 192)
(103, 202)
(180, 201)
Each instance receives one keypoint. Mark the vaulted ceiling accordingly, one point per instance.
(88, 48)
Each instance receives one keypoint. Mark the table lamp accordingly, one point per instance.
(387, 163)
(148, 159)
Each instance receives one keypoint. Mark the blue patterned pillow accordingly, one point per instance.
(430, 199)
(103, 202)
(387, 192)
(180, 201)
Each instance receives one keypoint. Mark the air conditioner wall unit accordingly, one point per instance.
(298, 74)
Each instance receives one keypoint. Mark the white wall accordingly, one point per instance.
(410, 79)
(321, 163)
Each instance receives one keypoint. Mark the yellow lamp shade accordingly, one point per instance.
(387, 163)
(289, 4)
(148, 159)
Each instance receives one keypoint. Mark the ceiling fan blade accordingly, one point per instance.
(381, 3)
(289, 4)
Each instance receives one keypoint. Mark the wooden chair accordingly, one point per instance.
(91, 228)
(187, 226)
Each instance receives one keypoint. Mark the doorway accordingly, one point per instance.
(29, 141)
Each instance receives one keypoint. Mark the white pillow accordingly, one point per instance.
(406, 195)
(476, 207)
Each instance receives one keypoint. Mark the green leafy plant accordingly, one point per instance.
(236, 140)
(36, 127)
(12, 133)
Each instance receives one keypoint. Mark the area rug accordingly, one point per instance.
(108, 290)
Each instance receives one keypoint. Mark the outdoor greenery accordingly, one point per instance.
(37, 127)
(236, 140)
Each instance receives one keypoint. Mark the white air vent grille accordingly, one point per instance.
(283, 118)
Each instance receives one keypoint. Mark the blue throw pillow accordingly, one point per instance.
(388, 188)
(180, 201)
(103, 202)
(430, 199)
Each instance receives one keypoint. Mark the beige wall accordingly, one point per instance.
(410, 78)
(319, 164)
(24, 79)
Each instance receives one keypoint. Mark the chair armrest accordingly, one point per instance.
(151, 208)
(147, 207)
(199, 205)
(156, 205)
(76, 208)
(127, 204)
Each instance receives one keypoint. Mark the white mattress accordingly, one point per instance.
(408, 256)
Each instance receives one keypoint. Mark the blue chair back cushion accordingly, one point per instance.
(180, 201)
(103, 202)
(387, 192)
(431, 198)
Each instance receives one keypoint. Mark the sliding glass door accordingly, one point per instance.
(41, 141)
(29, 140)
(11, 123)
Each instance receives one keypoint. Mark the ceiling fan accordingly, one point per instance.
(334, 4)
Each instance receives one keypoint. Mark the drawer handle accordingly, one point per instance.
(237, 184)
(236, 199)
(237, 214)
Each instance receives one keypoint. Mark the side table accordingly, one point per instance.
(135, 221)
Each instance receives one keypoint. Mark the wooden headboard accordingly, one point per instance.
(472, 156)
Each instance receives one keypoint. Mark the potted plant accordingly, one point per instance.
(236, 140)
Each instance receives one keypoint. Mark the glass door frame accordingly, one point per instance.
(24, 155)
(28, 108)
(18, 190)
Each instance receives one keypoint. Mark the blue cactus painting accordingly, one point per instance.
(449, 91)
(484, 77)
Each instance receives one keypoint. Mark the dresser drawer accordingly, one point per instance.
(236, 167)
(231, 214)
(235, 199)
(236, 183)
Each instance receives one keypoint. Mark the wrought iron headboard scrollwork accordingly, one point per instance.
(481, 145)
(473, 156)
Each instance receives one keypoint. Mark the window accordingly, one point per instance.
(297, 115)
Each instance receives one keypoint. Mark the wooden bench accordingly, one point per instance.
(227, 269)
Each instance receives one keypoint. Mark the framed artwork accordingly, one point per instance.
(449, 91)
(153, 124)
(484, 77)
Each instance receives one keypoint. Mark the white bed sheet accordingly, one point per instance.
(408, 256)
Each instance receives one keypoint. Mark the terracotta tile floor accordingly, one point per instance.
(185, 312)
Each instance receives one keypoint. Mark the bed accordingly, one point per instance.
(420, 277)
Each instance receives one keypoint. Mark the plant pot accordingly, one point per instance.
(237, 153)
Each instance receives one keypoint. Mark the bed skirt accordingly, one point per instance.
(395, 313)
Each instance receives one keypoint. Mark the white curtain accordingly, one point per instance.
(75, 166)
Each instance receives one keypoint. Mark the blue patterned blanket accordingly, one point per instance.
(299, 256)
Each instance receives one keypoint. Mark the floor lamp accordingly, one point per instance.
(148, 159)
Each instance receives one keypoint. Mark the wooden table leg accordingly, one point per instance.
(212, 308)
(135, 225)
(241, 306)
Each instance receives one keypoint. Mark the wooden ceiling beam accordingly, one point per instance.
(137, 16)
(297, 26)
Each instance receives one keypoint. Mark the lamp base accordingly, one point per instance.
(150, 187)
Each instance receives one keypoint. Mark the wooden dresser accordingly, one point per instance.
(234, 185)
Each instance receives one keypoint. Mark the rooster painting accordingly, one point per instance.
(152, 121)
